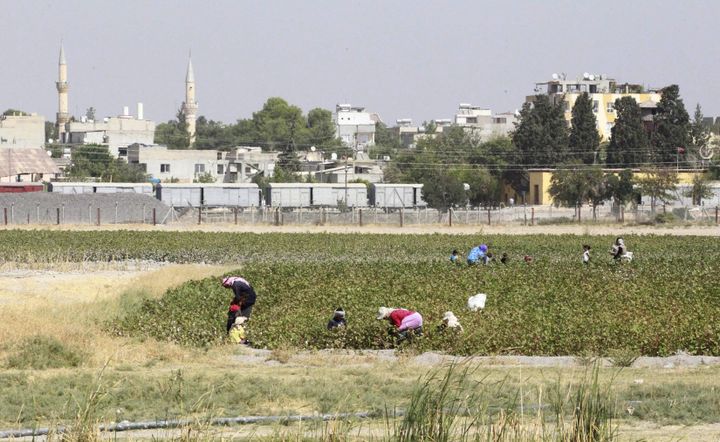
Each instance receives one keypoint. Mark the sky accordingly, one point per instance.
(402, 59)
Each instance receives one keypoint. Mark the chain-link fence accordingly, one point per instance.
(99, 209)
(524, 215)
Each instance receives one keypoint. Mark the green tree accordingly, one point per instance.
(629, 145)
(658, 184)
(700, 189)
(672, 127)
(484, 187)
(443, 190)
(574, 185)
(173, 134)
(321, 129)
(210, 134)
(90, 113)
(279, 125)
(51, 133)
(621, 188)
(699, 133)
(584, 137)
(541, 134)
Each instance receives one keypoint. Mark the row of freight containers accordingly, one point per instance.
(80, 188)
(391, 196)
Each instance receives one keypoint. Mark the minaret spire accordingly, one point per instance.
(62, 86)
(190, 106)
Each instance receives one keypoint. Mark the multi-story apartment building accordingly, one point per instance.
(602, 90)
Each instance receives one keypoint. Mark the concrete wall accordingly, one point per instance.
(22, 131)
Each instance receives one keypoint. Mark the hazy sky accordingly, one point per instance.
(402, 59)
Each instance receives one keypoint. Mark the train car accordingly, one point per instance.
(231, 195)
(180, 194)
(21, 187)
(396, 196)
(288, 194)
(329, 195)
(80, 188)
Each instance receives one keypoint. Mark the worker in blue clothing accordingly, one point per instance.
(478, 254)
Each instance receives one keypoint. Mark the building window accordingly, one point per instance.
(164, 168)
(219, 155)
(199, 168)
(611, 107)
(596, 106)
(220, 169)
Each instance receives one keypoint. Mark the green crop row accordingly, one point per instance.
(666, 300)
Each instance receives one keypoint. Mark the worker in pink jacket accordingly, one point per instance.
(403, 320)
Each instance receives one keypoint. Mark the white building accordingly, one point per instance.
(354, 126)
(182, 165)
(245, 162)
(239, 165)
(481, 122)
(115, 132)
(22, 131)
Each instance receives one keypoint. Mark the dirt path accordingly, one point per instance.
(573, 229)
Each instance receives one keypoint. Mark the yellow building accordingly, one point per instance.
(603, 92)
(539, 185)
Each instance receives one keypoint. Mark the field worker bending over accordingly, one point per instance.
(403, 320)
(338, 320)
(244, 295)
(619, 251)
(477, 254)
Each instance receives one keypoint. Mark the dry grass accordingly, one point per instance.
(71, 307)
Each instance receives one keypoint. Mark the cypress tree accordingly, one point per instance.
(672, 127)
(584, 138)
(628, 142)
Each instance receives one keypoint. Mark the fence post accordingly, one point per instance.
(360, 217)
(402, 212)
(98, 216)
(5, 212)
(277, 216)
(236, 211)
(199, 215)
(116, 211)
(622, 214)
(154, 216)
(488, 216)
(717, 209)
(532, 216)
(450, 212)
(28, 218)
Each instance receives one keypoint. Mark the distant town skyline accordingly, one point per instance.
(400, 59)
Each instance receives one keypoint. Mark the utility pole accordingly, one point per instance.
(346, 188)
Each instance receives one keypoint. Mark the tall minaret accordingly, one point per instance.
(62, 87)
(190, 106)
